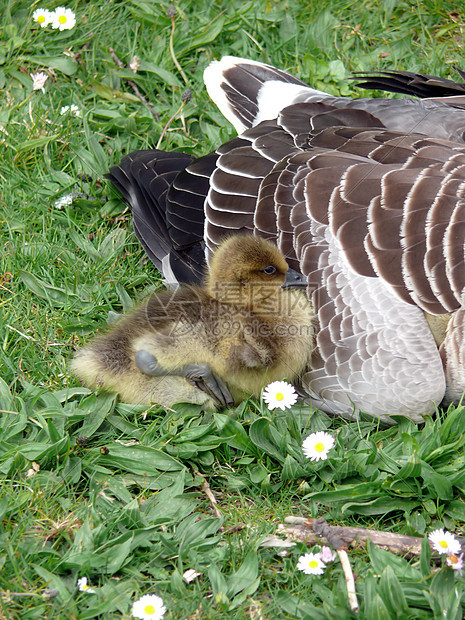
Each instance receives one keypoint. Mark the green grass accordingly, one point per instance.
(117, 495)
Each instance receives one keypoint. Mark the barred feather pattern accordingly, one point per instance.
(373, 218)
(367, 198)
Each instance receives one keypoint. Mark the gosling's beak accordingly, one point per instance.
(294, 279)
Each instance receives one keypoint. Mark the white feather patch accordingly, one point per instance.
(274, 96)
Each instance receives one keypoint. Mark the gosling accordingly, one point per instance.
(213, 345)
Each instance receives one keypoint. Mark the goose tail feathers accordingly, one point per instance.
(144, 179)
(248, 92)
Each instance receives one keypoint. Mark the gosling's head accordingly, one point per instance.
(246, 269)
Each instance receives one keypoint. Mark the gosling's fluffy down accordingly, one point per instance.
(241, 323)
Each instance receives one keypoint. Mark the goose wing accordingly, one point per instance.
(248, 92)
(327, 206)
(416, 84)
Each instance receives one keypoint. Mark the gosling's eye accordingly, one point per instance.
(270, 270)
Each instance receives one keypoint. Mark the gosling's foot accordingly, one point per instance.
(203, 378)
(199, 375)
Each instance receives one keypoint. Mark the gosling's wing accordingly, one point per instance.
(248, 92)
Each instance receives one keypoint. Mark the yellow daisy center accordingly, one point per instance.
(443, 544)
(41, 19)
(313, 564)
(149, 609)
(453, 559)
(319, 447)
(85, 587)
(279, 396)
(62, 19)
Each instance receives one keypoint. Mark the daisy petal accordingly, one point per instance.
(327, 555)
(84, 587)
(455, 562)
(38, 80)
(317, 445)
(279, 394)
(311, 564)
(148, 607)
(42, 17)
(444, 542)
(63, 19)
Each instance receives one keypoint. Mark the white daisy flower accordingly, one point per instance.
(445, 542)
(455, 562)
(190, 574)
(71, 109)
(317, 445)
(279, 394)
(149, 607)
(134, 64)
(84, 587)
(311, 564)
(64, 201)
(38, 80)
(42, 17)
(63, 19)
(327, 555)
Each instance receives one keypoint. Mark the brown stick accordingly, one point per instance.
(316, 531)
(133, 85)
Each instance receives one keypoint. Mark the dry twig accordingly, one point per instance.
(208, 492)
(349, 577)
(315, 531)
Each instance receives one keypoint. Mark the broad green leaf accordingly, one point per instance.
(379, 506)
(71, 471)
(347, 492)
(84, 244)
(299, 609)
(166, 76)
(411, 469)
(245, 574)
(437, 484)
(205, 36)
(53, 582)
(53, 294)
(194, 433)
(217, 580)
(392, 595)
(36, 451)
(292, 470)
(425, 557)
(113, 242)
(65, 64)
(261, 435)
(192, 531)
(380, 559)
(99, 407)
(142, 460)
(236, 436)
(376, 609)
(456, 510)
(35, 143)
(445, 595)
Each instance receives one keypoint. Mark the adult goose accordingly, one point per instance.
(363, 196)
